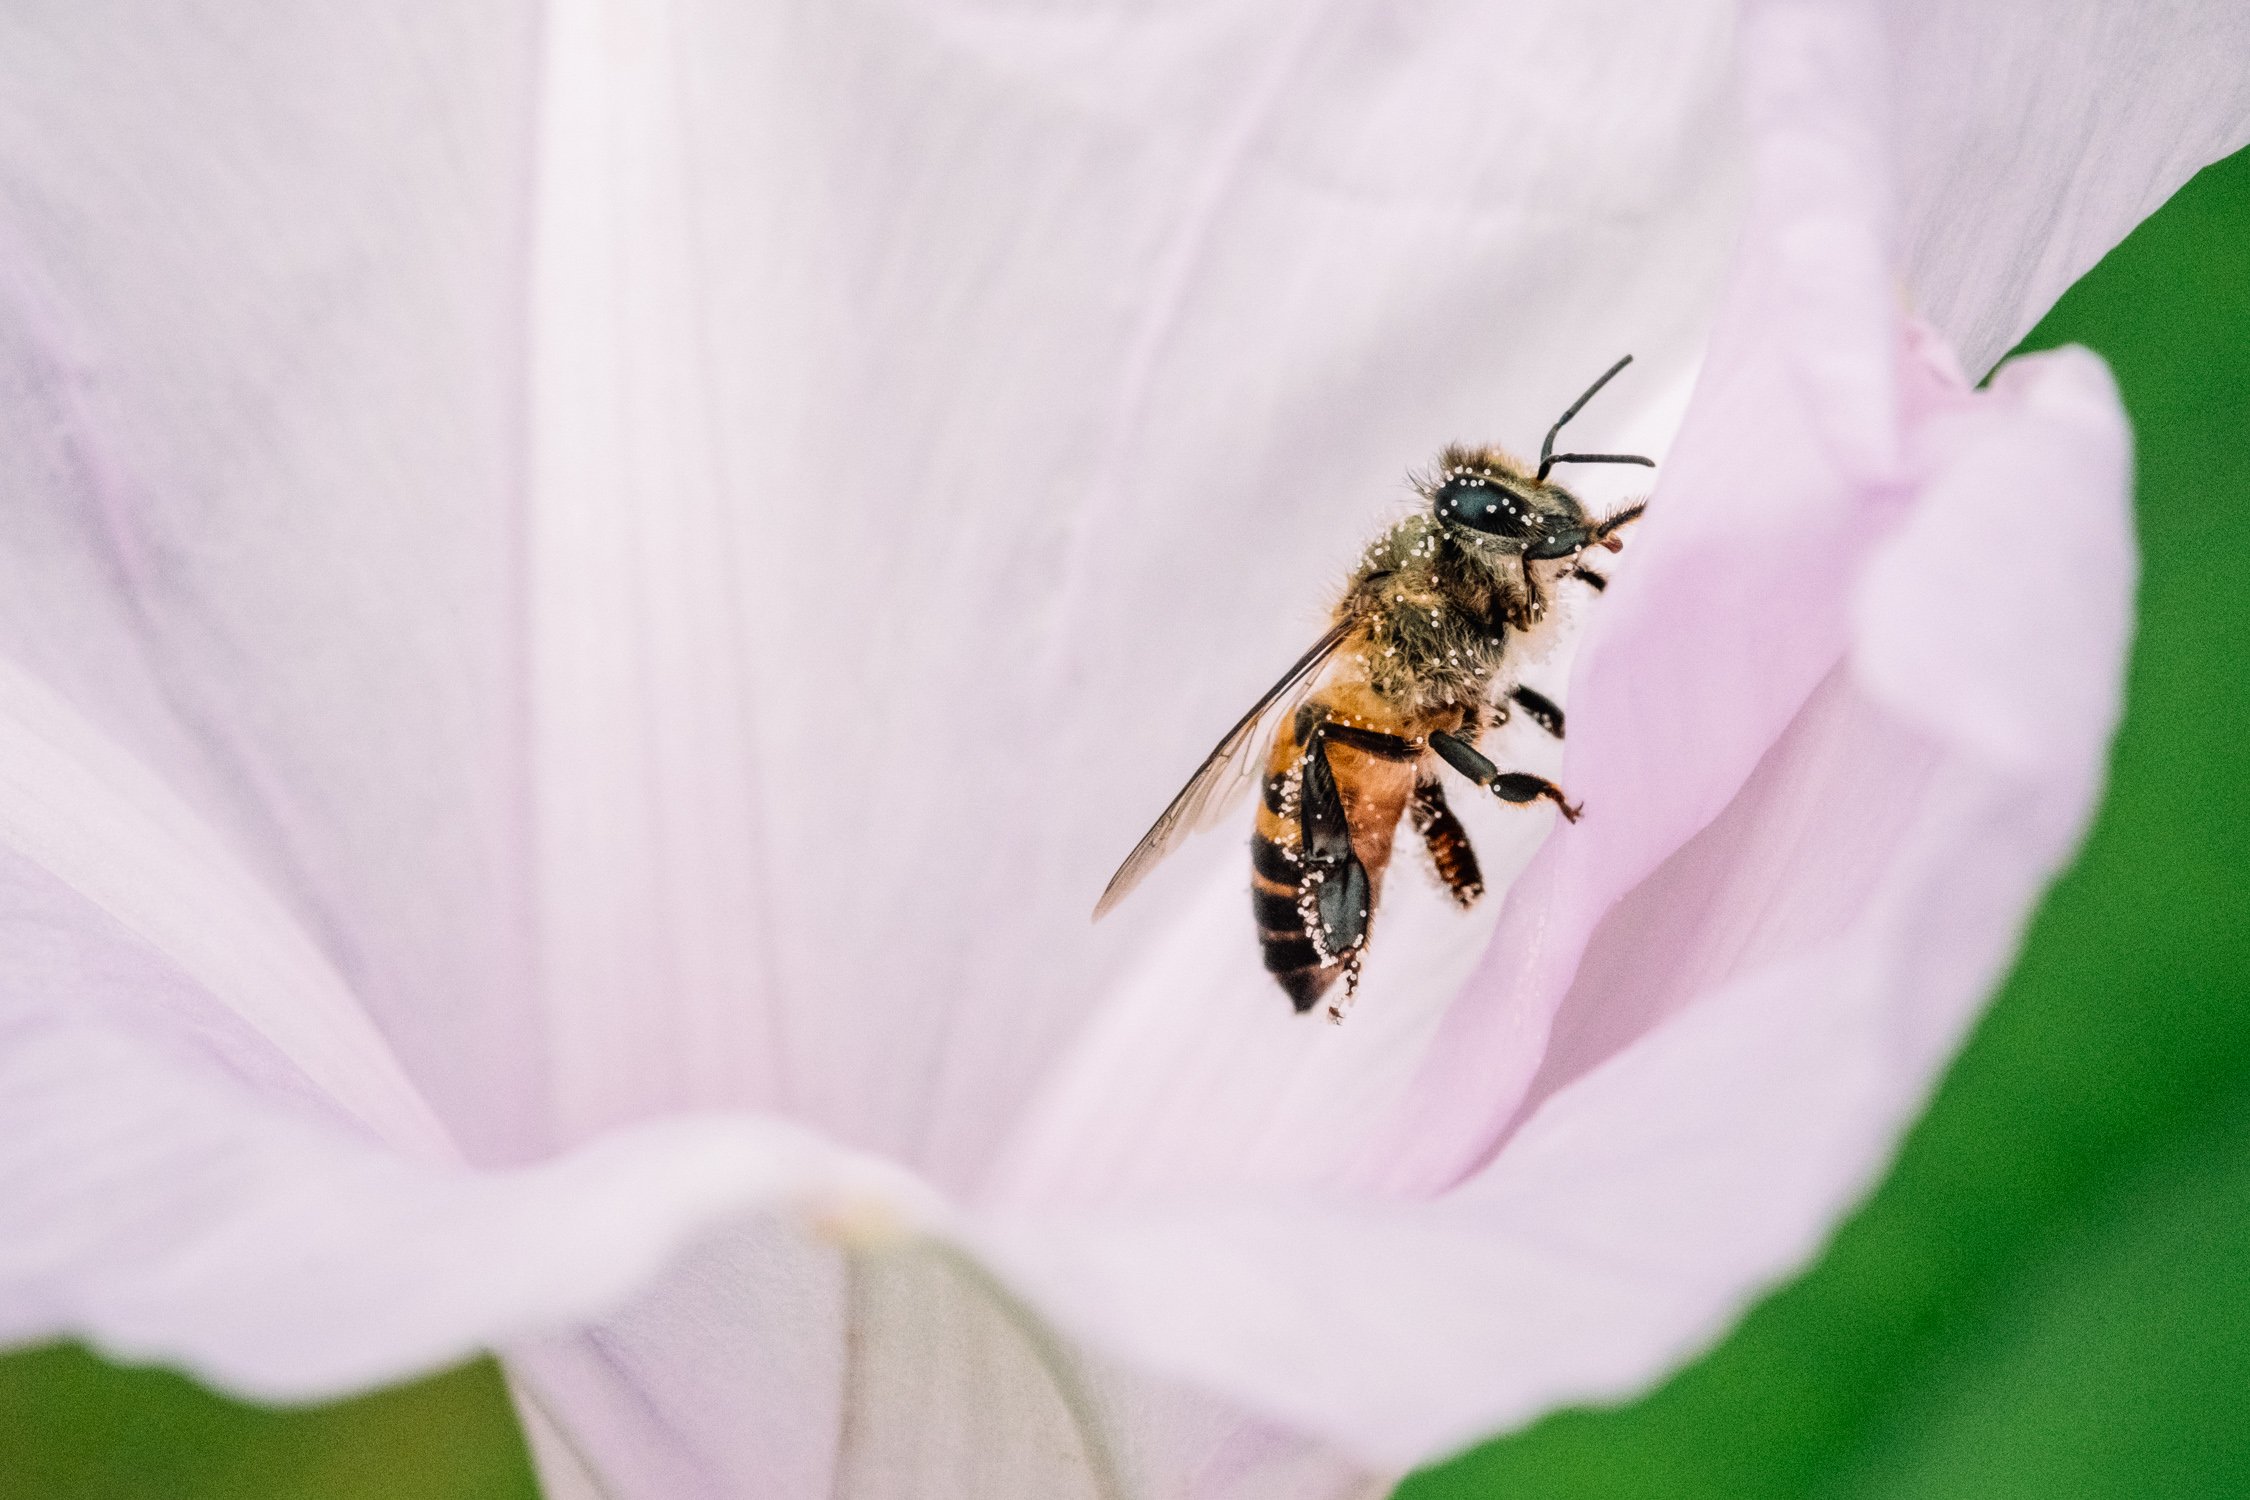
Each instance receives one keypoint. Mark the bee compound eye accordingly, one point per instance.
(1481, 505)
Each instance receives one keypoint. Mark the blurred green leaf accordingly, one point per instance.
(2050, 1295)
(75, 1428)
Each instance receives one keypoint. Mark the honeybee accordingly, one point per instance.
(1412, 671)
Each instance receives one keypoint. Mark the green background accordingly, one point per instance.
(2050, 1296)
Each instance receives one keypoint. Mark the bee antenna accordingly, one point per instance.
(1547, 457)
(1595, 458)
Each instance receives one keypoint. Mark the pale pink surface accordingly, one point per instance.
(589, 597)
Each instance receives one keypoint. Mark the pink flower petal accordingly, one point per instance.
(202, 1165)
(1189, 1078)
(952, 1387)
(177, 1189)
(840, 717)
(101, 850)
(2031, 136)
(715, 663)
(614, 636)
(171, 1200)
(1790, 466)
(159, 1206)
(1788, 983)
(259, 399)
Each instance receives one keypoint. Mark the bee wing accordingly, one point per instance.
(1221, 777)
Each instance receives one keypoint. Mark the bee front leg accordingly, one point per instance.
(1531, 604)
(1509, 786)
(1540, 707)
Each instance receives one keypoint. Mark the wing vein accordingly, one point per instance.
(1210, 788)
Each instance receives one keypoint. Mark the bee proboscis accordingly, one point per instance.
(1415, 666)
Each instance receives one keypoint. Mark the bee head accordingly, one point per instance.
(1483, 495)
(1491, 505)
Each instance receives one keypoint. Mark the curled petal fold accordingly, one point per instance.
(160, 1208)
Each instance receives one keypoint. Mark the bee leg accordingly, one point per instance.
(1542, 709)
(1447, 842)
(1508, 786)
(1531, 604)
(1335, 896)
(1373, 741)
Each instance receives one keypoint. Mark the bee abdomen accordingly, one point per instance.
(1274, 865)
(1290, 956)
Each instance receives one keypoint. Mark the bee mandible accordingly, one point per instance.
(1415, 666)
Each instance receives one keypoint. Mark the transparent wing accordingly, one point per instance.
(1222, 776)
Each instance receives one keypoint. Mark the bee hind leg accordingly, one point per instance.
(1314, 904)
(1451, 854)
(1335, 897)
(1509, 786)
